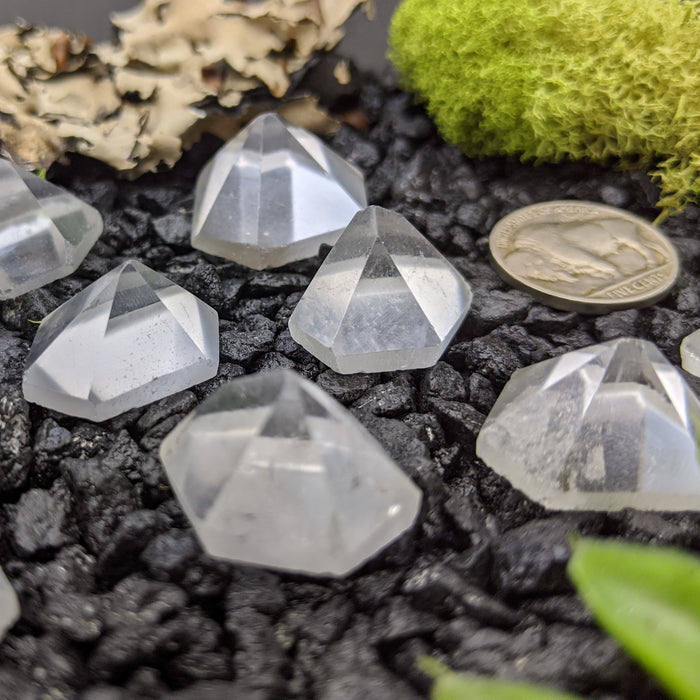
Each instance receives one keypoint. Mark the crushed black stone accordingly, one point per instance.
(118, 599)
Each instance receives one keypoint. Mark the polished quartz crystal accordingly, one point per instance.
(273, 195)
(272, 471)
(384, 299)
(130, 338)
(9, 606)
(690, 353)
(608, 427)
(45, 232)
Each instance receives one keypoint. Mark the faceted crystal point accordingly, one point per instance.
(273, 195)
(9, 606)
(384, 299)
(690, 353)
(45, 232)
(608, 427)
(130, 338)
(272, 471)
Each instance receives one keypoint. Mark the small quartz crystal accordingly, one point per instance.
(690, 353)
(130, 338)
(9, 605)
(273, 195)
(607, 427)
(45, 232)
(272, 471)
(384, 299)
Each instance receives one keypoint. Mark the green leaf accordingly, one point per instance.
(41, 172)
(462, 686)
(649, 600)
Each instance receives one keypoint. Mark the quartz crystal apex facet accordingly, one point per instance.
(273, 195)
(607, 427)
(274, 472)
(9, 605)
(45, 232)
(690, 353)
(130, 338)
(384, 299)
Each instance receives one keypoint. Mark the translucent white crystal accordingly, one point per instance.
(384, 299)
(130, 338)
(607, 427)
(272, 471)
(45, 232)
(273, 195)
(9, 605)
(690, 353)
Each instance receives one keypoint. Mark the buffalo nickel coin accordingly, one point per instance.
(583, 256)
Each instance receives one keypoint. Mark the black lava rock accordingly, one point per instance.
(15, 450)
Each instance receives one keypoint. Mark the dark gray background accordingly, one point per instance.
(365, 42)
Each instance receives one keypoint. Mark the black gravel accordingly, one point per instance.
(118, 599)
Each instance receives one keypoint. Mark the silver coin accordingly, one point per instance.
(583, 256)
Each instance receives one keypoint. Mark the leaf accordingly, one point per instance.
(462, 686)
(649, 600)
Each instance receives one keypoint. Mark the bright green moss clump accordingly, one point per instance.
(611, 81)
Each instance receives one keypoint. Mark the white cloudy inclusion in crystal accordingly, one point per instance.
(272, 471)
(384, 299)
(607, 427)
(130, 338)
(45, 232)
(273, 195)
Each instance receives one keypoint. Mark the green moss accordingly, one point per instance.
(610, 81)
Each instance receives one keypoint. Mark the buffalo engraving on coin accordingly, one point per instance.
(584, 256)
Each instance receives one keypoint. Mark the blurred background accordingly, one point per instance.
(365, 42)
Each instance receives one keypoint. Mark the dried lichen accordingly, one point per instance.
(178, 69)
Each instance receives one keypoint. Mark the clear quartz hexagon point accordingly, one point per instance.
(130, 338)
(272, 471)
(273, 195)
(9, 605)
(45, 232)
(607, 427)
(690, 353)
(384, 299)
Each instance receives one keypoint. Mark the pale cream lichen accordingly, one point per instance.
(341, 72)
(179, 68)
